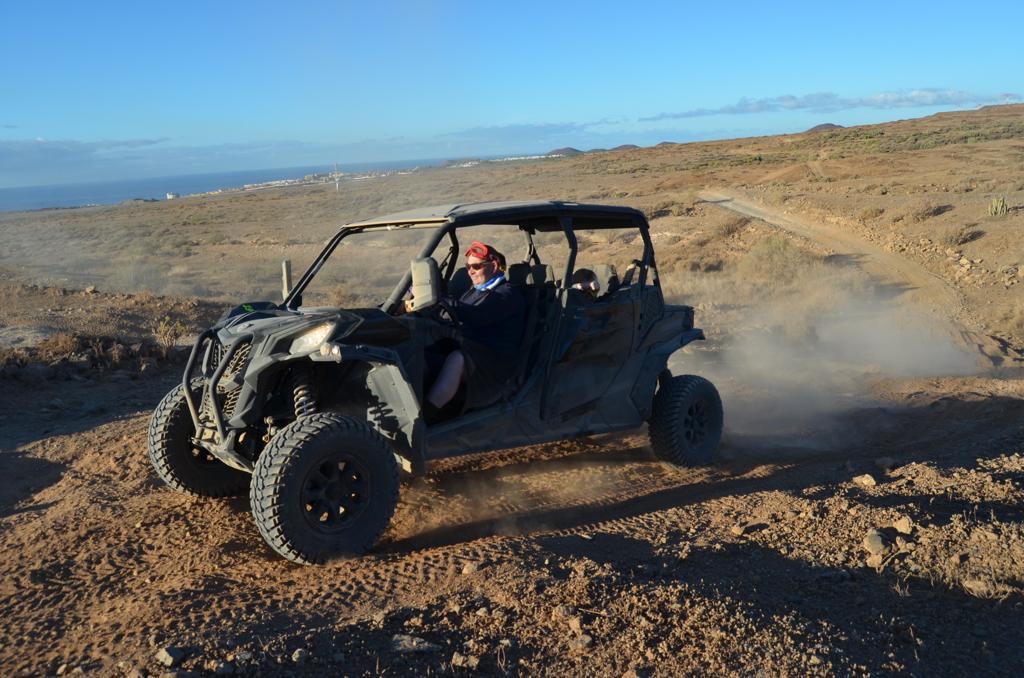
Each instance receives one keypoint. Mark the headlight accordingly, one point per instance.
(311, 339)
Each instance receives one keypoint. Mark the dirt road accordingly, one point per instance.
(923, 288)
(919, 288)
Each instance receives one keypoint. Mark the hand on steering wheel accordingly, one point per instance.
(444, 313)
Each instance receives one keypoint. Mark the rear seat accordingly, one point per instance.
(536, 283)
(608, 277)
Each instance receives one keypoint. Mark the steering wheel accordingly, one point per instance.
(444, 313)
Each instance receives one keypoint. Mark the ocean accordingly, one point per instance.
(113, 192)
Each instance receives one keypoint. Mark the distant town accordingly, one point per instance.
(337, 177)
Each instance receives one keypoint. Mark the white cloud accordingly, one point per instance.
(829, 102)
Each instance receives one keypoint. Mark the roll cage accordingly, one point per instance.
(529, 218)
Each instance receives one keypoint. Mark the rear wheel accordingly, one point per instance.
(326, 487)
(183, 466)
(686, 423)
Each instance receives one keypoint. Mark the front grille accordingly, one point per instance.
(227, 392)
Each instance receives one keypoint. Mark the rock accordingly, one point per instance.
(886, 464)
(903, 525)
(469, 568)
(874, 561)
(300, 656)
(561, 611)
(814, 660)
(62, 669)
(91, 289)
(170, 656)
(483, 612)
(874, 543)
(576, 624)
(409, 644)
(866, 480)
(957, 558)
(465, 661)
(580, 643)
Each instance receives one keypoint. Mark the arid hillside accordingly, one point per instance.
(861, 291)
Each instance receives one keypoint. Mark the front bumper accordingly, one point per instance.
(222, 369)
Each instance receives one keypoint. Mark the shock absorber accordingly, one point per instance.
(302, 394)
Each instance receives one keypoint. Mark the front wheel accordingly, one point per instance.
(325, 488)
(686, 423)
(183, 466)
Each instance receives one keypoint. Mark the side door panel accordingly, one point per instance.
(595, 338)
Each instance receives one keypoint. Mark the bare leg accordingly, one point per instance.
(447, 383)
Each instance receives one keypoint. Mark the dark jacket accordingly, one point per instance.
(494, 318)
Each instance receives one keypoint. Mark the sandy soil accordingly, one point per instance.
(865, 517)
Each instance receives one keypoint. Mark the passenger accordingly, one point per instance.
(492, 318)
(586, 281)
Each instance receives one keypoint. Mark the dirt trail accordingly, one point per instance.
(923, 288)
(919, 288)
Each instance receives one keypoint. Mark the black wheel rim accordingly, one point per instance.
(335, 493)
(696, 422)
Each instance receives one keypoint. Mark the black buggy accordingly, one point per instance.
(315, 409)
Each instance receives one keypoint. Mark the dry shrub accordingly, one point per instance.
(1013, 321)
(59, 346)
(869, 213)
(775, 259)
(14, 356)
(959, 235)
(167, 332)
(929, 210)
(730, 227)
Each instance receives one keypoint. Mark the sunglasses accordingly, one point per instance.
(479, 266)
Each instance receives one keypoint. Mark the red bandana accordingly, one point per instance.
(481, 251)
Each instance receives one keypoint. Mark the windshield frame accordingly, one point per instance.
(448, 227)
(295, 294)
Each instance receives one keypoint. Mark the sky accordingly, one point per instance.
(116, 90)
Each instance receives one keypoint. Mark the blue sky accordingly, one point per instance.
(110, 90)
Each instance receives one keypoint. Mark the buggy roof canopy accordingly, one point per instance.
(533, 216)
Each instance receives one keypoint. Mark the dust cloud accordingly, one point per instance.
(793, 369)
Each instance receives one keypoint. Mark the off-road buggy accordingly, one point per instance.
(314, 410)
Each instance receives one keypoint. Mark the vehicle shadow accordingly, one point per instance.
(947, 434)
(33, 410)
(23, 476)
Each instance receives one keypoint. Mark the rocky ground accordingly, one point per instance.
(900, 551)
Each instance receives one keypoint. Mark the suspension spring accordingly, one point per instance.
(305, 403)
